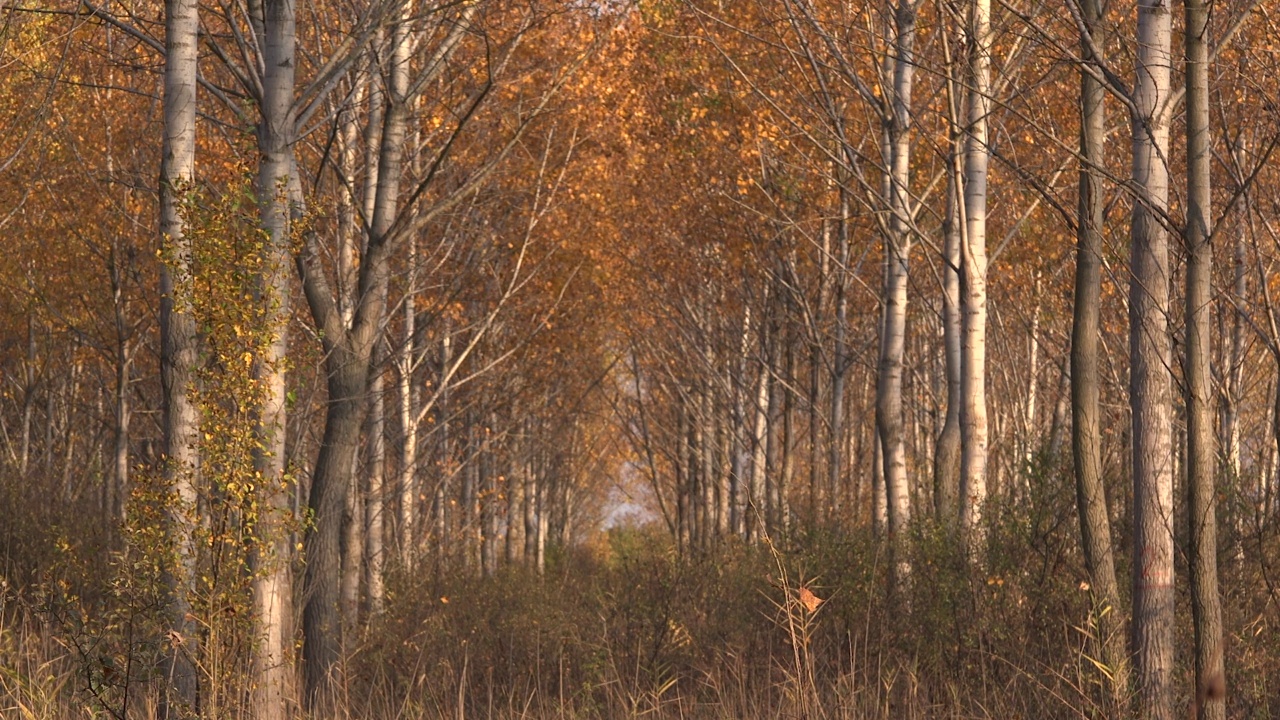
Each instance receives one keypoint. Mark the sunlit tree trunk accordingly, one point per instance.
(272, 586)
(889, 401)
(178, 347)
(409, 490)
(1150, 357)
(759, 455)
(973, 274)
(1202, 458)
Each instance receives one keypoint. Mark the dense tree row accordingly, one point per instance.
(428, 290)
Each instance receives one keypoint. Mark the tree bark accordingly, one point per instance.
(946, 460)
(973, 406)
(1086, 430)
(178, 348)
(348, 363)
(759, 451)
(1206, 606)
(272, 586)
(374, 493)
(897, 158)
(1150, 384)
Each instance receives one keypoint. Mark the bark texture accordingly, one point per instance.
(973, 405)
(178, 346)
(1086, 428)
(274, 692)
(1206, 607)
(1150, 393)
(897, 156)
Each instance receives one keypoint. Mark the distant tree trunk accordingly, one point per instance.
(706, 435)
(408, 424)
(532, 500)
(1061, 406)
(514, 547)
(1206, 606)
(973, 265)
(178, 348)
(686, 534)
(759, 455)
(737, 468)
(946, 466)
(542, 517)
(781, 520)
(446, 468)
(488, 499)
(124, 413)
(1234, 370)
(1149, 347)
(29, 404)
(1086, 430)
(839, 362)
(1031, 438)
(471, 500)
(724, 445)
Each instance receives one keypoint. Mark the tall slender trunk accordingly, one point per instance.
(759, 455)
(513, 550)
(1149, 383)
(1086, 429)
(737, 470)
(28, 398)
(686, 534)
(946, 466)
(409, 490)
(440, 498)
(815, 377)
(706, 435)
(120, 480)
(178, 349)
(1206, 607)
(272, 585)
(839, 362)
(542, 518)
(1234, 370)
(973, 265)
(532, 496)
(1031, 438)
(488, 501)
(889, 401)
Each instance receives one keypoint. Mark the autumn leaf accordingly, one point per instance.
(809, 600)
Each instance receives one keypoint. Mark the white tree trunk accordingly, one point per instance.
(178, 342)
(889, 403)
(973, 406)
(272, 586)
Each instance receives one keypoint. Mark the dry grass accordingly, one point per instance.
(805, 629)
